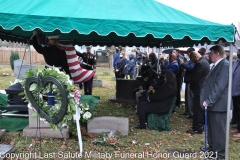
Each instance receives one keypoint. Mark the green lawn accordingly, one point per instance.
(161, 143)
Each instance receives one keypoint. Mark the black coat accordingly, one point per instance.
(53, 56)
(199, 74)
(160, 101)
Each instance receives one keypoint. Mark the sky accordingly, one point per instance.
(219, 11)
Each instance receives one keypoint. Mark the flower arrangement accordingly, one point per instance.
(85, 112)
(39, 93)
(4, 74)
(106, 139)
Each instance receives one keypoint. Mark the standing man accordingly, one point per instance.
(179, 77)
(236, 97)
(214, 96)
(138, 61)
(172, 66)
(188, 66)
(202, 51)
(52, 54)
(116, 57)
(199, 74)
(89, 63)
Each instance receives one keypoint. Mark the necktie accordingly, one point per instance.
(211, 69)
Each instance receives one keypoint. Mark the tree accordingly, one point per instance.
(14, 56)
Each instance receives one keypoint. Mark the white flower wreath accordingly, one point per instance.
(73, 99)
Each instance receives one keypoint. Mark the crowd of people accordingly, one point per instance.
(130, 68)
(206, 77)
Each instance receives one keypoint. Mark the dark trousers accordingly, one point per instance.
(142, 111)
(88, 87)
(198, 114)
(122, 76)
(188, 101)
(217, 132)
(236, 110)
(179, 87)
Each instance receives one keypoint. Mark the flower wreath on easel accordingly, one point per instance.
(41, 92)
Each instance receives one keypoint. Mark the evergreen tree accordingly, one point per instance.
(14, 56)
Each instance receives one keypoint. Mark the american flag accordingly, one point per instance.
(78, 74)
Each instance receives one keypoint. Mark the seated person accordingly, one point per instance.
(158, 102)
(149, 80)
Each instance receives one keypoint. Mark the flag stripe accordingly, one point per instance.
(78, 74)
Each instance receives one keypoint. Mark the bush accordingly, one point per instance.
(14, 56)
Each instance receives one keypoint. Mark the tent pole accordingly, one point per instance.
(229, 101)
(30, 54)
(160, 51)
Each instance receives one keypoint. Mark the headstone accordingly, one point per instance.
(21, 70)
(17, 63)
(4, 149)
(113, 78)
(95, 76)
(2, 132)
(108, 124)
(105, 74)
(97, 83)
(125, 88)
(34, 124)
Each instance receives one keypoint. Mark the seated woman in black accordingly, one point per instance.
(149, 80)
(159, 102)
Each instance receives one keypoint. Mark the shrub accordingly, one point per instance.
(14, 56)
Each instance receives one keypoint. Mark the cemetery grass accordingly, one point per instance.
(160, 142)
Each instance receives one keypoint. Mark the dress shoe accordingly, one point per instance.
(207, 149)
(176, 107)
(135, 111)
(139, 127)
(233, 122)
(188, 117)
(194, 131)
(235, 126)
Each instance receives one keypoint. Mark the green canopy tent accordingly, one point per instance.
(108, 22)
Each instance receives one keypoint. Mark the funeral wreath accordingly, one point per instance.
(55, 105)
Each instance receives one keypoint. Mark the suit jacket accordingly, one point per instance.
(215, 89)
(199, 74)
(189, 68)
(236, 78)
(172, 67)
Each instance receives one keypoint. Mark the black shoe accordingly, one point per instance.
(207, 149)
(173, 110)
(233, 122)
(139, 127)
(176, 107)
(188, 117)
(194, 131)
(235, 126)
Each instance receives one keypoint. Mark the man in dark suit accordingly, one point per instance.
(188, 66)
(214, 96)
(236, 96)
(199, 73)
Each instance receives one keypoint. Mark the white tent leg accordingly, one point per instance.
(229, 101)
